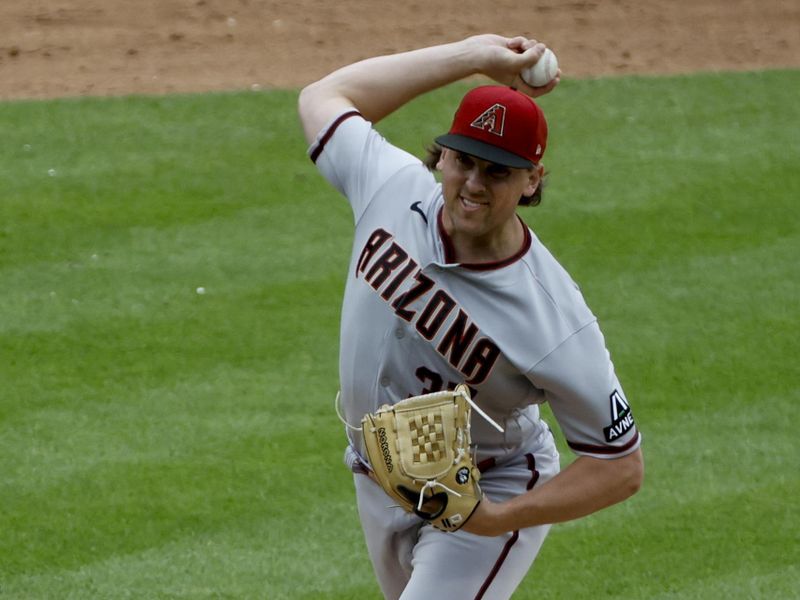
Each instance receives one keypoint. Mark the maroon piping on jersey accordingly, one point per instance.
(331, 130)
(604, 449)
(515, 536)
(486, 464)
(450, 252)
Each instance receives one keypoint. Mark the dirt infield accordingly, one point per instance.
(108, 47)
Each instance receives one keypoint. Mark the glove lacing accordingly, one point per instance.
(430, 485)
(337, 406)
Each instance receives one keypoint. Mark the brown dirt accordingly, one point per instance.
(109, 47)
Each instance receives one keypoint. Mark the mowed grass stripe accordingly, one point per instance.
(160, 443)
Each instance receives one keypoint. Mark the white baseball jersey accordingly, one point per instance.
(518, 332)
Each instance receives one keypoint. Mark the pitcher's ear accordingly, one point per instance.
(535, 179)
(440, 162)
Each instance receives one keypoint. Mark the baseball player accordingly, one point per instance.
(447, 285)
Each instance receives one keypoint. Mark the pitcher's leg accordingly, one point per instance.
(462, 566)
(390, 533)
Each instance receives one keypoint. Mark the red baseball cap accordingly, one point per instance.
(498, 124)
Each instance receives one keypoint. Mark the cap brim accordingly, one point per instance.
(483, 150)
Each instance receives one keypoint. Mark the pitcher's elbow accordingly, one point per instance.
(635, 474)
(629, 476)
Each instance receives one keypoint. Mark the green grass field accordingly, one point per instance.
(158, 442)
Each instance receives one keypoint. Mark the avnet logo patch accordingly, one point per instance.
(621, 417)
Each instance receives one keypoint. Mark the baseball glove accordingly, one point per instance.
(419, 450)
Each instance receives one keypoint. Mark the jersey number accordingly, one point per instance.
(434, 382)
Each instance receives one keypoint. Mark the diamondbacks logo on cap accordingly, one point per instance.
(493, 120)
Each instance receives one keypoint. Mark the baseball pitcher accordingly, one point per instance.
(457, 323)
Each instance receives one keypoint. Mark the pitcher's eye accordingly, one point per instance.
(465, 160)
(498, 171)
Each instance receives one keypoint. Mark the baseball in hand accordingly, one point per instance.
(543, 71)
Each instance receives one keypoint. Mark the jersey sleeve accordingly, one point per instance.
(582, 388)
(356, 159)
